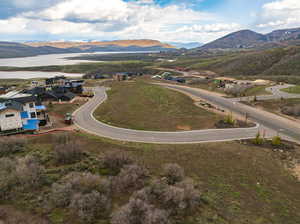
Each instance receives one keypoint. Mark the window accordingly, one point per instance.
(9, 115)
(31, 105)
(33, 115)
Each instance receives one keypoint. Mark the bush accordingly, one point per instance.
(276, 141)
(139, 212)
(173, 172)
(115, 161)
(131, 177)
(10, 145)
(29, 172)
(180, 199)
(74, 183)
(68, 153)
(258, 139)
(88, 206)
(7, 176)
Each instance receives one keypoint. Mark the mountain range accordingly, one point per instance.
(12, 49)
(246, 39)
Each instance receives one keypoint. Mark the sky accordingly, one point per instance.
(164, 20)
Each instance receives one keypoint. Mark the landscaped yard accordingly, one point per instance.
(236, 182)
(293, 89)
(142, 106)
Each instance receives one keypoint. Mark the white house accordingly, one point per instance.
(10, 116)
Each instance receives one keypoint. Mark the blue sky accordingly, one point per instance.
(165, 20)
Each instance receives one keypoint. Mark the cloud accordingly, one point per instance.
(280, 14)
(117, 19)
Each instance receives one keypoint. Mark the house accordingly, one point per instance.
(17, 105)
(10, 116)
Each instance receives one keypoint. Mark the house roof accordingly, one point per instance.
(11, 105)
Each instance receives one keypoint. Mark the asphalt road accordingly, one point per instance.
(269, 121)
(276, 94)
(84, 119)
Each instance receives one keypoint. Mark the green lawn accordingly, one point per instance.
(143, 106)
(294, 89)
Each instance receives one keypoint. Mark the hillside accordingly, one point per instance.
(250, 39)
(87, 45)
(273, 62)
(11, 50)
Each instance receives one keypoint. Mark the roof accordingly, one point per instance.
(11, 105)
(14, 94)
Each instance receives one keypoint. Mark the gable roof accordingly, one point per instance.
(10, 104)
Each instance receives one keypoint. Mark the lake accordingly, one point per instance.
(32, 75)
(50, 59)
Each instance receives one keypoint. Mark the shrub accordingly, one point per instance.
(173, 172)
(7, 176)
(276, 141)
(115, 161)
(229, 119)
(29, 172)
(182, 198)
(10, 145)
(88, 206)
(74, 183)
(258, 139)
(68, 153)
(131, 177)
(139, 212)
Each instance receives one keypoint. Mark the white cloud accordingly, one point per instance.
(280, 14)
(116, 19)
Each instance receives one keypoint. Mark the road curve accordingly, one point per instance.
(276, 94)
(85, 120)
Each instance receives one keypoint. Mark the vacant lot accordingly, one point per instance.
(239, 183)
(276, 106)
(143, 106)
(294, 89)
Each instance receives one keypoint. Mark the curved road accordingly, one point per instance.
(276, 94)
(270, 124)
(84, 119)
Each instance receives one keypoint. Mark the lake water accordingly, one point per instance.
(45, 60)
(32, 75)
(50, 59)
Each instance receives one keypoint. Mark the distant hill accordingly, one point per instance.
(246, 39)
(89, 45)
(271, 62)
(189, 45)
(11, 49)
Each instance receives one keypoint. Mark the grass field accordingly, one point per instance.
(138, 105)
(257, 91)
(294, 89)
(240, 183)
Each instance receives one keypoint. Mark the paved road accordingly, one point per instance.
(276, 94)
(84, 120)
